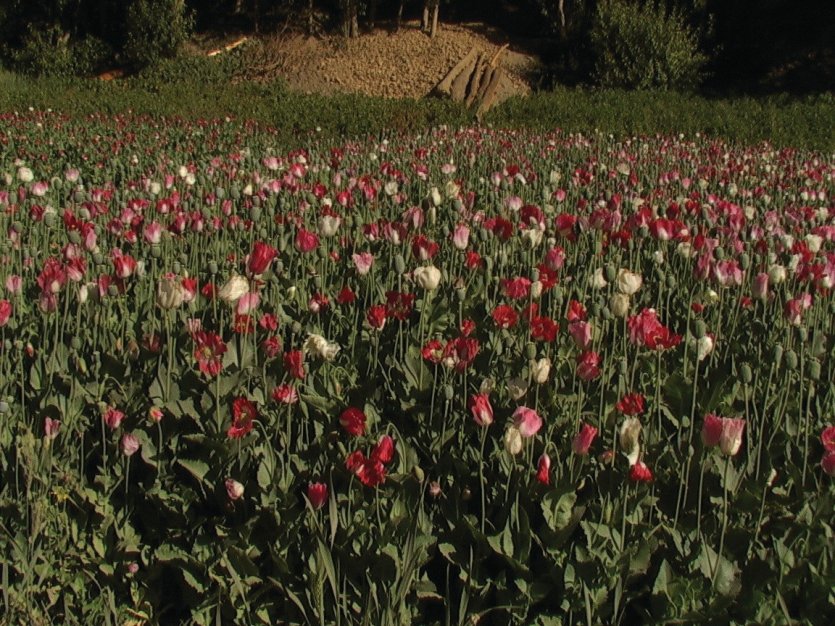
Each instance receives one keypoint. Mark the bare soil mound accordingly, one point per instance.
(387, 63)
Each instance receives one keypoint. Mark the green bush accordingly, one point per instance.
(155, 30)
(49, 51)
(644, 46)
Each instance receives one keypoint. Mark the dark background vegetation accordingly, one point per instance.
(750, 46)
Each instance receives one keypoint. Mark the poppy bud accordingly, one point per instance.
(791, 360)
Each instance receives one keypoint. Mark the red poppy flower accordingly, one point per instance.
(353, 421)
(209, 350)
(544, 329)
(516, 288)
(433, 351)
(505, 316)
(631, 404)
(376, 316)
(346, 296)
(399, 305)
(294, 363)
(243, 417)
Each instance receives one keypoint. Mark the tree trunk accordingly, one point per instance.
(435, 10)
(424, 20)
(239, 6)
(400, 14)
(309, 18)
(561, 11)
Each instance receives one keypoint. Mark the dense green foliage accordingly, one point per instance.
(747, 44)
(644, 47)
(201, 88)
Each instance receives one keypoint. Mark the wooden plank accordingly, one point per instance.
(445, 85)
(490, 94)
(475, 81)
(458, 91)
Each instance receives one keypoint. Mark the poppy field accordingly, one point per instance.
(468, 376)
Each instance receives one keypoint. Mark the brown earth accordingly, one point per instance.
(403, 64)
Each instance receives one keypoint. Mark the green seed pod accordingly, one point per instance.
(220, 192)
(534, 275)
(791, 360)
(746, 374)
(399, 264)
(278, 267)
(17, 227)
(778, 355)
(815, 370)
(623, 367)
(255, 213)
(606, 312)
(594, 309)
(75, 237)
(184, 258)
(256, 204)
(671, 281)
(488, 265)
(296, 328)
(503, 258)
(235, 193)
(744, 261)
(417, 472)
(98, 259)
(4, 407)
(212, 268)
(75, 343)
(643, 231)
(156, 251)
(49, 220)
(699, 329)
(719, 253)
(802, 334)
(461, 293)
(610, 272)
(177, 267)
(79, 196)
(113, 291)
(206, 213)
(530, 350)
(317, 282)
(449, 392)
(262, 233)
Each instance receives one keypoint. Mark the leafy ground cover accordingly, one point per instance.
(199, 88)
(449, 377)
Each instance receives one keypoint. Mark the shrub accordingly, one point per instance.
(644, 46)
(155, 30)
(49, 51)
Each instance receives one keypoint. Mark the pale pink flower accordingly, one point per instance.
(527, 421)
(363, 262)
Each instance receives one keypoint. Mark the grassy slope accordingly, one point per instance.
(204, 92)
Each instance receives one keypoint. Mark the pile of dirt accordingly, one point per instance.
(387, 63)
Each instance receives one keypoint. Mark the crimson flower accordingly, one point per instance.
(399, 305)
(505, 316)
(544, 329)
(384, 450)
(588, 365)
(353, 421)
(481, 409)
(209, 350)
(646, 330)
(376, 316)
(260, 258)
(543, 468)
(828, 438)
(631, 404)
(243, 418)
(433, 351)
(306, 241)
(346, 296)
(583, 440)
(516, 288)
(462, 351)
(640, 473)
(294, 363)
(317, 493)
